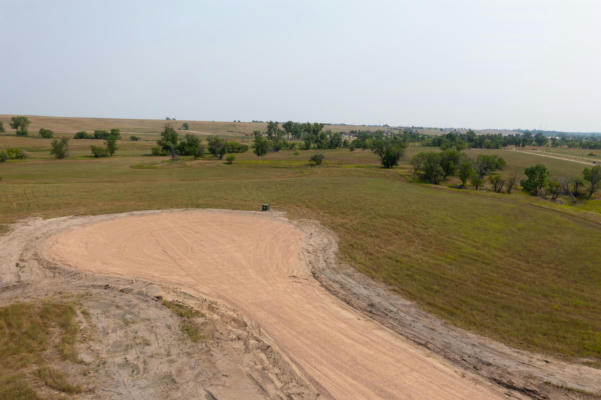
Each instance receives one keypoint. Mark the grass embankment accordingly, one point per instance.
(32, 337)
(494, 264)
(187, 317)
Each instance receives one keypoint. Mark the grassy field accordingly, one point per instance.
(515, 268)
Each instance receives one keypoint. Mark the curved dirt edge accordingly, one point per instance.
(535, 375)
(521, 373)
(25, 274)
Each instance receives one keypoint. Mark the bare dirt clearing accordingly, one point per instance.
(255, 264)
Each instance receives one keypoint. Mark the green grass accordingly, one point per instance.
(515, 268)
(32, 335)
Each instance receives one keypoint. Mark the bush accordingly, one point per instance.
(3, 156)
(46, 133)
(476, 181)
(230, 159)
(317, 158)
(134, 138)
(82, 135)
(99, 151)
(15, 153)
(60, 148)
(158, 151)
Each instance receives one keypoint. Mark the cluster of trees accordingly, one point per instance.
(20, 123)
(99, 134)
(470, 139)
(15, 153)
(436, 167)
(191, 145)
(539, 182)
(46, 133)
(577, 141)
(363, 139)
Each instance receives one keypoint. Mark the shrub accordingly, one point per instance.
(46, 133)
(260, 144)
(15, 153)
(230, 159)
(99, 151)
(1, 126)
(553, 188)
(158, 151)
(185, 126)
(82, 135)
(317, 158)
(134, 138)
(60, 148)
(3, 156)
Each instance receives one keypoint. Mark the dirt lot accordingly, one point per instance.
(276, 274)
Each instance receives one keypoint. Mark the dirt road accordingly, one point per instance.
(254, 263)
(578, 160)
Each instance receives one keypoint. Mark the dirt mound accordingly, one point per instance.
(255, 263)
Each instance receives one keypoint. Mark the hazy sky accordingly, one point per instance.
(479, 64)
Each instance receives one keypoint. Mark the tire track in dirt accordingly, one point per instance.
(253, 263)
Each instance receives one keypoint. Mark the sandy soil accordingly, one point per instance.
(255, 264)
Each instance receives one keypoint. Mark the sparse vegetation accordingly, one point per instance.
(187, 315)
(230, 159)
(31, 335)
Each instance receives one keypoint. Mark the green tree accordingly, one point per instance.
(540, 139)
(272, 130)
(317, 158)
(593, 177)
(169, 140)
(537, 177)
(485, 164)
(111, 146)
(464, 172)
(497, 182)
(553, 187)
(191, 146)
(449, 161)
(60, 148)
(20, 123)
(426, 166)
(46, 133)
(260, 144)
(476, 181)
(230, 159)
(511, 181)
(115, 134)
(1, 126)
(388, 150)
(216, 146)
(185, 126)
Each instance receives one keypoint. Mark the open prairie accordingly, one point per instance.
(514, 268)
